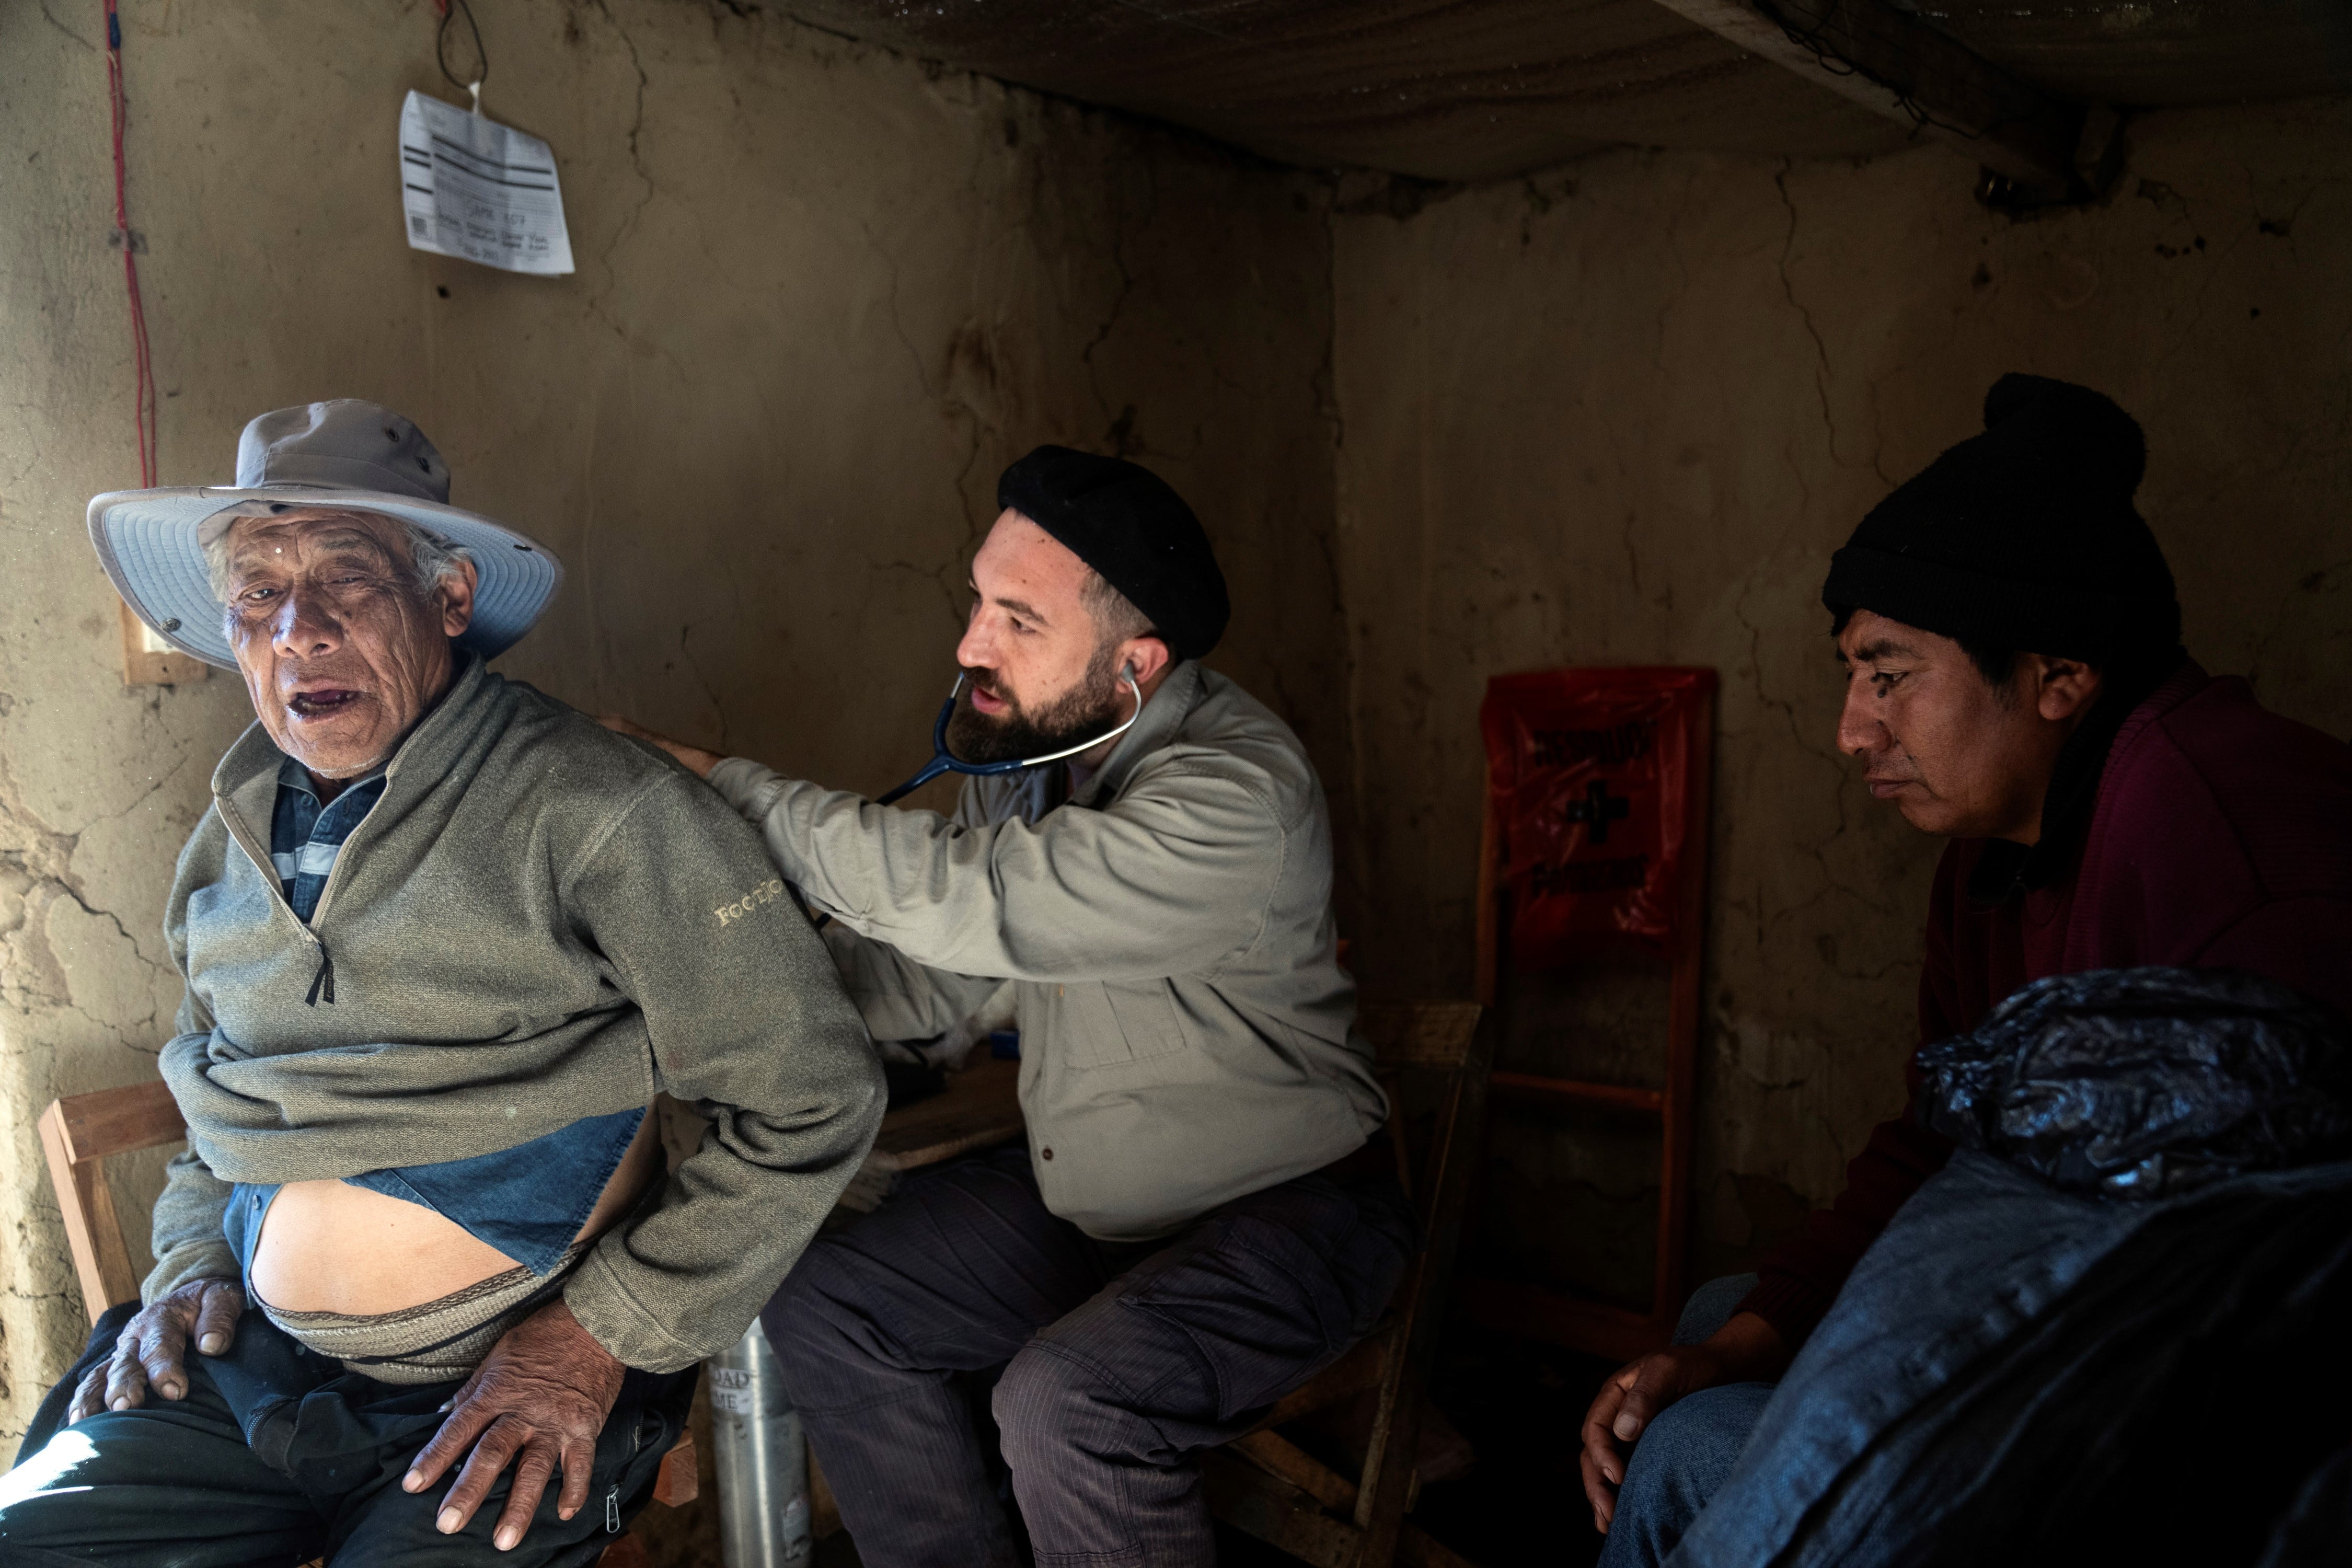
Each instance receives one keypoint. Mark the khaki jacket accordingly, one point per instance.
(1186, 1029)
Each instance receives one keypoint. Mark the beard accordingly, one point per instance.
(1087, 709)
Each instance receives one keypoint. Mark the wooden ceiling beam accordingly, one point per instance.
(1893, 64)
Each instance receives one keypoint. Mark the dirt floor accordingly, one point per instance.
(1520, 1405)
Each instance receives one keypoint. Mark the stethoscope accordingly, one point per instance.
(944, 762)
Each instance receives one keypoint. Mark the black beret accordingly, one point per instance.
(2023, 537)
(1131, 528)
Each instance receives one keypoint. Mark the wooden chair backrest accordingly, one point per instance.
(78, 1132)
(1437, 1034)
(1441, 1040)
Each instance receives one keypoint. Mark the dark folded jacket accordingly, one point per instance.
(2116, 1336)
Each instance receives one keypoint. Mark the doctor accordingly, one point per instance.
(1206, 1213)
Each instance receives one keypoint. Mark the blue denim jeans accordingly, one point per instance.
(2018, 1375)
(1689, 1449)
(1120, 1361)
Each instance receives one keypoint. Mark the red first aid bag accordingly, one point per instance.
(1589, 775)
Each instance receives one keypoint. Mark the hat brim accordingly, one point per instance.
(147, 541)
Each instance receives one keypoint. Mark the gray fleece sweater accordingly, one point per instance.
(540, 921)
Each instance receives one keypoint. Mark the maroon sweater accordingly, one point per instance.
(2222, 839)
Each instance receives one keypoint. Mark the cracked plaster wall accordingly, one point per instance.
(1622, 413)
(1619, 412)
(823, 295)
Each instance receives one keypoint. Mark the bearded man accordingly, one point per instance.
(1206, 1213)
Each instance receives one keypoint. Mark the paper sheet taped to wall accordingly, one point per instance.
(1589, 773)
(473, 188)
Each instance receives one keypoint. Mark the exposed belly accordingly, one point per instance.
(329, 1247)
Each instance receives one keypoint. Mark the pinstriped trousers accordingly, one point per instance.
(1119, 1362)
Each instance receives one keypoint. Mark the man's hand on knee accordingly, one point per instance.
(152, 1350)
(1744, 1350)
(539, 1399)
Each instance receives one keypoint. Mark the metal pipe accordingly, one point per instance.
(763, 1459)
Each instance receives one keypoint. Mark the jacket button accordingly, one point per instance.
(1047, 1153)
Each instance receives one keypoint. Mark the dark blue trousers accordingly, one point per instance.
(277, 1455)
(1690, 1449)
(1120, 1361)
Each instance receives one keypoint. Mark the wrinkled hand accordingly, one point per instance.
(696, 759)
(539, 1398)
(1744, 1349)
(149, 1350)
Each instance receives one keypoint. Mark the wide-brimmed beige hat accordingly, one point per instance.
(342, 453)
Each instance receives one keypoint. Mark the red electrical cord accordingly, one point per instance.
(143, 408)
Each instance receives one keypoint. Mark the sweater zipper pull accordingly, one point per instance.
(323, 983)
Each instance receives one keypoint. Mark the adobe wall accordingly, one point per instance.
(1618, 413)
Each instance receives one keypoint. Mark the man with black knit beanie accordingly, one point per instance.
(2015, 683)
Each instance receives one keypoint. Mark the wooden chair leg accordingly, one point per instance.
(93, 1231)
(825, 1508)
(1416, 1548)
(680, 1479)
(1280, 1506)
(1276, 1512)
(1280, 1457)
(1396, 1438)
(628, 1552)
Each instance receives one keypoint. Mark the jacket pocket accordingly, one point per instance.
(1112, 1025)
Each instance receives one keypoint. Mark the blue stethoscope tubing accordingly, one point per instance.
(945, 761)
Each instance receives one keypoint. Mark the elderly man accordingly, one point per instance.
(1204, 1216)
(443, 939)
(2015, 683)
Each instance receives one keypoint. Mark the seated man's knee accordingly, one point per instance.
(812, 1311)
(1689, 1440)
(1046, 1404)
(1681, 1458)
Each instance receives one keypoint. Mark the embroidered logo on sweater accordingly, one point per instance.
(767, 892)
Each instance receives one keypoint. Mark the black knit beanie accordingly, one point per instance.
(2023, 537)
(1127, 523)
